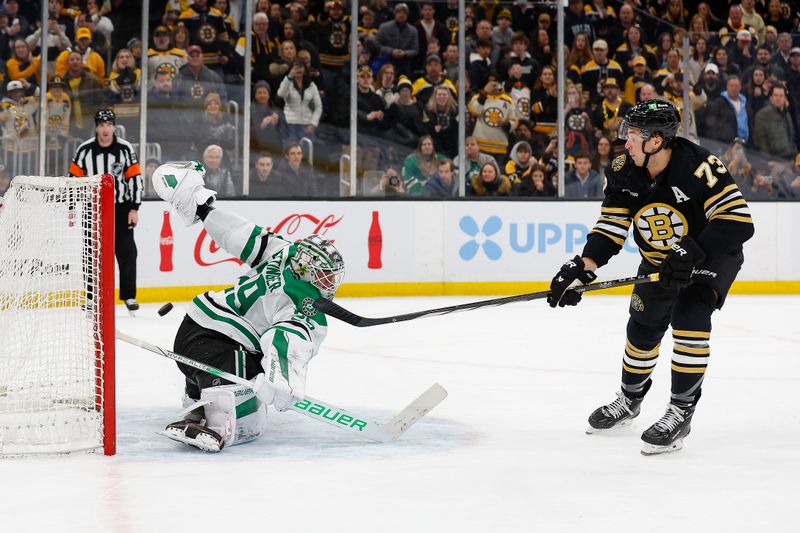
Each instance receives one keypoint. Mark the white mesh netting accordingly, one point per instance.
(51, 348)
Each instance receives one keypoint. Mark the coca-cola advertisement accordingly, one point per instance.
(377, 244)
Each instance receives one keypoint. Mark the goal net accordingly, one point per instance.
(57, 316)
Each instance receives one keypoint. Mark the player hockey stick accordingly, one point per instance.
(336, 311)
(317, 409)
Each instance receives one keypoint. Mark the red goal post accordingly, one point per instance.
(57, 391)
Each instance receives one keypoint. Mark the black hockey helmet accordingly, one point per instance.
(657, 116)
(105, 115)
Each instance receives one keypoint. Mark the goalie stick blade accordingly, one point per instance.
(415, 410)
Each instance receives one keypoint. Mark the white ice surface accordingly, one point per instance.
(505, 452)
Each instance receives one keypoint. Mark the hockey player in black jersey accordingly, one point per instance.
(689, 220)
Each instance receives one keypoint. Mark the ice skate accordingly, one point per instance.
(618, 413)
(668, 433)
(132, 306)
(194, 434)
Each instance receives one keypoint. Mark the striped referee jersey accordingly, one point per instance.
(119, 160)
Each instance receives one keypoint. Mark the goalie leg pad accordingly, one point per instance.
(235, 412)
(285, 363)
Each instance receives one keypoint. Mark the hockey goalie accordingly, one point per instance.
(264, 324)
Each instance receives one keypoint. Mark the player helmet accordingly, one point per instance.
(105, 115)
(318, 262)
(656, 116)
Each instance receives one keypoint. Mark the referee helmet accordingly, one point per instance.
(105, 115)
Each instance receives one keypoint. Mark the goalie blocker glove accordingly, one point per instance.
(676, 268)
(182, 185)
(572, 273)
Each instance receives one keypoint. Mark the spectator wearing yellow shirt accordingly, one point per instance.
(91, 59)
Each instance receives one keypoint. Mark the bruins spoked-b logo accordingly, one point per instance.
(661, 225)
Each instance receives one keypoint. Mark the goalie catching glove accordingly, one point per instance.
(676, 268)
(182, 185)
(572, 273)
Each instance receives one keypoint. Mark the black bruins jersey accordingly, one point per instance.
(695, 195)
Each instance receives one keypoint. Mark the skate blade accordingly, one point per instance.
(652, 449)
(203, 442)
(591, 431)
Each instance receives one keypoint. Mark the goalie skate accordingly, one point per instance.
(194, 434)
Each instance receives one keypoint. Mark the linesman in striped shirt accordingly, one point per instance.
(106, 154)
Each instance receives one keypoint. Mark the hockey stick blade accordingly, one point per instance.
(334, 310)
(317, 409)
(416, 410)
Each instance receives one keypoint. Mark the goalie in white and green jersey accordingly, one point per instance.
(265, 323)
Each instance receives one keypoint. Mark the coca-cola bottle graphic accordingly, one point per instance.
(166, 244)
(375, 243)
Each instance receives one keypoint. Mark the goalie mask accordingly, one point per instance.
(318, 262)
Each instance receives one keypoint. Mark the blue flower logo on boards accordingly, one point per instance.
(480, 238)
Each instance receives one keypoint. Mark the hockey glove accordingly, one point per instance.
(572, 273)
(676, 268)
(182, 185)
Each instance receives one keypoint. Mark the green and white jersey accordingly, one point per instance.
(267, 296)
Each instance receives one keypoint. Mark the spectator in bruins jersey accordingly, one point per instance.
(123, 92)
(495, 116)
(733, 25)
(579, 55)
(18, 114)
(434, 77)
(163, 55)
(598, 69)
(195, 81)
(520, 159)
(263, 48)
(690, 231)
(640, 77)
(578, 126)
(440, 119)
(59, 108)
(91, 60)
(333, 43)
(206, 26)
(608, 115)
(519, 92)
(673, 67)
(106, 154)
(634, 47)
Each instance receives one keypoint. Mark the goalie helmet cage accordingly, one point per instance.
(57, 316)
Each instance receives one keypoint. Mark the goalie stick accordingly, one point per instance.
(336, 311)
(317, 409)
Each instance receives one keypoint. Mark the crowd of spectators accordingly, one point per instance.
(742, 73)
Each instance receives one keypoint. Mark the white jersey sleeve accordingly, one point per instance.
(241, 238)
